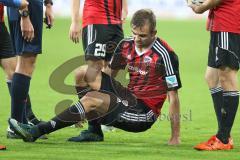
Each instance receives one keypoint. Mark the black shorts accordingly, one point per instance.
(100, 40)
(21, 46)
(132, 116)
(224, 50)
(6, 50)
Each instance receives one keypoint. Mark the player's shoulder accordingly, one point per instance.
(162, 45)
(162, 49)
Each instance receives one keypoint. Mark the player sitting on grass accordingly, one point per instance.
(153, 70)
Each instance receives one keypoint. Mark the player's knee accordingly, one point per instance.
(25, 69)
(95, 65)
(26, 65)
(228, 79)
(9, 71)
(10, 74)
(79, 74)
(91, 102)
(212, 80)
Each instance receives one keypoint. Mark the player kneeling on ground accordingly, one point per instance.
(153, 70)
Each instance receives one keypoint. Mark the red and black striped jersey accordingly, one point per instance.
(1, 12)
(152, 73)
(102, 12)
(225, 17)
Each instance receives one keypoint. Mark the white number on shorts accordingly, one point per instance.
(100, 50)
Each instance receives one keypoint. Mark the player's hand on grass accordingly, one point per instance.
(49, 16)
(75, 32)
(174, 141)
(27, 29)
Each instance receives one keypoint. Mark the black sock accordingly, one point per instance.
(70, 116)
(81, 91)
(217, 97)
(24, 118)
(29, 113)
(229, 110)
(19, 92)
(95, 127)
(9, 84)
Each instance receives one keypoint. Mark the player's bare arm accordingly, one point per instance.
(208, 4)
(124, 10)
(174, 112)
(75, 28)
(49, 13)
(26, 25)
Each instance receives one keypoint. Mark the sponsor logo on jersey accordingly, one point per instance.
(136, 69)
(147, 59)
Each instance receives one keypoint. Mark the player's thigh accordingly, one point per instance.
(8, 64)
(211, 76)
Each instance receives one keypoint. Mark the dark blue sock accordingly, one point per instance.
(24, 116)
(9, 84)
(28, 103)
(20, 88)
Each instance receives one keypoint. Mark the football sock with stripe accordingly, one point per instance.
(81, 91)
(93, 126)
(217, 97)
(70, 116)
(19, 92)
(229, 110)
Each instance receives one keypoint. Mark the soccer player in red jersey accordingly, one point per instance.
(101, 32)
(154, 72)
(223, 65)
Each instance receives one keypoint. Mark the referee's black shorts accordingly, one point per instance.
(6, 50)
(224, 50)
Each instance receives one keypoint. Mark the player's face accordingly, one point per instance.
(143, 37)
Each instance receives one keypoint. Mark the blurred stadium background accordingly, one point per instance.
(176, 9)
(185, 32)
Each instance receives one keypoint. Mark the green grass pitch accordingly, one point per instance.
(189, 40)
